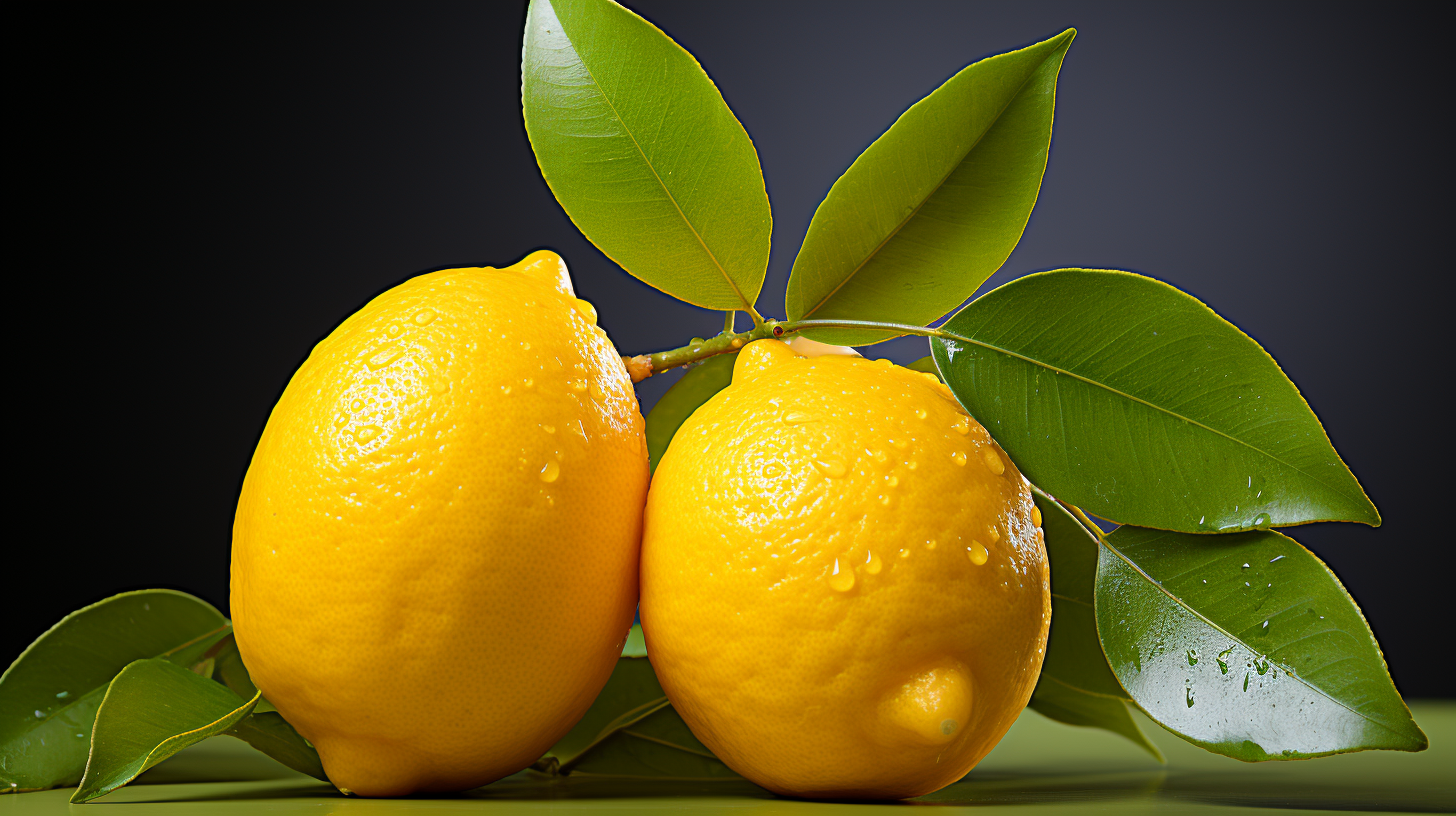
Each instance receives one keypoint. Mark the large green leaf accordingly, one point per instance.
(643, 153)
(1076, 685)
(1134, 401)
(153, 709)
(696, 387)
(1246, 645)
(632, 731)
(49, 695)
(936, 204)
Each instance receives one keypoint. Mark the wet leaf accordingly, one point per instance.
(632, 731)
(639, 147)
(153, 709)
(936, 204)
(696, 387)
(1134, 401)
(1076, 685)
(49, 695)
(1246, 645)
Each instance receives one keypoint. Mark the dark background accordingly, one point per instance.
(205, 194)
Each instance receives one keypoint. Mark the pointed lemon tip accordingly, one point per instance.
(931, 708)
(546, 265)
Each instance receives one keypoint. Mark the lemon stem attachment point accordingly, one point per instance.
(643, 366)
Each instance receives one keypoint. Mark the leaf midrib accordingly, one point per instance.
(1058, 370)
(648, 162)
(1195, 613)
(939, 184)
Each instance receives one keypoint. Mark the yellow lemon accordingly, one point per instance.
(436, 548)
(844, 584)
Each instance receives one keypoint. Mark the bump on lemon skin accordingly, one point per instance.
(843, 591)
(435, 550)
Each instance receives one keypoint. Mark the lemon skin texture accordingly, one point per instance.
(845, 590)
(435, 551)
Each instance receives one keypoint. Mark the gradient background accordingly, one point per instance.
(208, 193)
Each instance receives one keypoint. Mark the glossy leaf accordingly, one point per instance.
(696, 387)
(153, 709)
(643, 153)
(1246, 645)
(1132, 400)
(936, 204)
(632, 731)
(49, 695)
(1076, 685)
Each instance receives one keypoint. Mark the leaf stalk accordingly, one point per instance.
(643, 366)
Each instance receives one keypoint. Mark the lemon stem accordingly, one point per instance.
(643, 366)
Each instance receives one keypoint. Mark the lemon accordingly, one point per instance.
(436, 547)
(844, 582)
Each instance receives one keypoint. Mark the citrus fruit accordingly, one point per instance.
(844, 582)
(435, 550)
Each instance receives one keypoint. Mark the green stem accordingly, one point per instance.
(645, 365)
(728, 321)
(1087, 522)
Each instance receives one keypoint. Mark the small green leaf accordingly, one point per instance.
(1076, 707)
(926, 364)
(632, 731)
(1074, 656)
(153, 709)
(268, 732)
(696, 387)
(643, 153)
(1134, 401)
(49, 695)
(1076, 685)
(936, 204)
(1246, 645)
(265, 729)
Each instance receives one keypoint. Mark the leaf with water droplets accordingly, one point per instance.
(153, 709)
(697, 386)
(1076, 685)
(936, 204)
(1132, 400)
(50, 694)
(643, 153)
(632, 731)
(1296, 670)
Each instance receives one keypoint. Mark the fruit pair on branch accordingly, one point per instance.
(852, 576)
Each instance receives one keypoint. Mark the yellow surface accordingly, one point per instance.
(435, 550)
(844, 592)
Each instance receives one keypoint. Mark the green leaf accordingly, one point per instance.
(936, 204)
(643, 153)
(1075, 707)
(632, 731)
(696, 387)
(265, 729)
(926, 364)
(153, 709)
(1076, 685)
(268, 732)
(49, 695)
(1134, 401)
(1074, 655)
(1246, 645)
